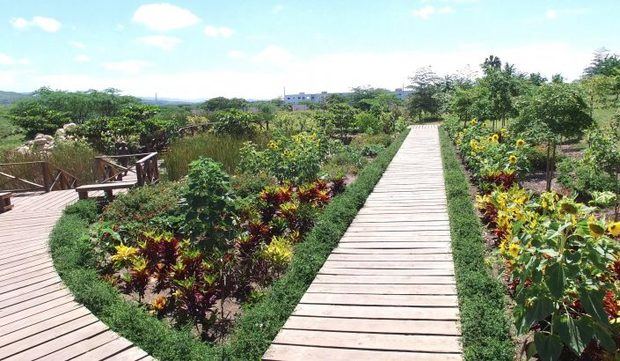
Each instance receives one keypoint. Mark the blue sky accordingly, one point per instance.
(201, 49)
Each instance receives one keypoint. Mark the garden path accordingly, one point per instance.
(387, 292)
(39, 318)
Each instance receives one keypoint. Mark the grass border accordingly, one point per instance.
(259, 324)
(484, 322)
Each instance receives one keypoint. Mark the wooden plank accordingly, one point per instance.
(403, 313)
(419, 343)
(305, 353)
(105, 351)
(409, 327)
(386, 272)
(83, 346)
(379, 300)
(38, 317)
(401, 280)
(49, 323)
(59, 341)
(390, 258)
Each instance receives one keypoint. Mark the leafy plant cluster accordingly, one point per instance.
(599, 168)
(181, 248)
(75, 261)
(495, 157)
(560, 260)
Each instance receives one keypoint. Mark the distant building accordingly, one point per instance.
(320, 97)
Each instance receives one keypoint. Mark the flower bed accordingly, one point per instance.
(559, 260)
(181, 279)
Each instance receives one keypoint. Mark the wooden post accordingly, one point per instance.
(45, 169)
(140, 174)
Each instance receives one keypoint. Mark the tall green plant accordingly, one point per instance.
(210, 204)
(554, 111)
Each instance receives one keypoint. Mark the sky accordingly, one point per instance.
(199, 49)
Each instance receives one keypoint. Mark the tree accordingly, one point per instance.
(221, 103)
(365, 98)
(233, 122)
(554, 111)
(425, 95)
(462, 103)
(492, 63)
(343, 119)
(536, 79)
(503, 86)
(603, 63)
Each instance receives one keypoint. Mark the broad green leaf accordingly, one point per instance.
(592, 302)
(548, 347)
(540, 309)
(555, 280)
(604, 336)
(574, 334)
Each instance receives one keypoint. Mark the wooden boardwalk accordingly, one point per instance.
(38, 317)
(387, 292)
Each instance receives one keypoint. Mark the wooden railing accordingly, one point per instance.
(35, 176)
(112, 168)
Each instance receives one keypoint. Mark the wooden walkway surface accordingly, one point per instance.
(387, 292)
(38, 317)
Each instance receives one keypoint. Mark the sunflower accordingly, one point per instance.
(512, 159)
(614, 229)
(473, 122)
(514, 250)
(520, 143)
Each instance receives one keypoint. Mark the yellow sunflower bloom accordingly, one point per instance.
(614, 229)
(520, 143)
(514, 250)
(512, 159)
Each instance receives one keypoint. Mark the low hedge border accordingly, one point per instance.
(256, 328)
(484, 322)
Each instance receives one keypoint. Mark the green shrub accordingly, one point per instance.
(484, 324)
(368, 123)
(233, 122)
(209, 206)
(296, 159)
(137, 210)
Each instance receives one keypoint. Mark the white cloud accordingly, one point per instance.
(163, 42)
(6, 60)
(329, 72)
(429, 10)
(9, 60)
(49, 25)
(277, 9)
(164, 17)
(77, 45)
(273, 54)
(218, 31)
(551, 14)
(236, 54)
(127, 66)
(82, 58)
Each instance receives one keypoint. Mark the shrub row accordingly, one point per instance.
(484, 322)
(74, 261)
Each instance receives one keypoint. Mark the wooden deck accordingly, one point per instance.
(38, 317)
(387, 292)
